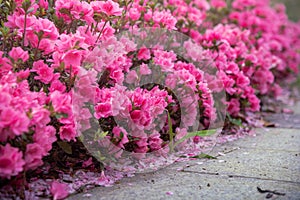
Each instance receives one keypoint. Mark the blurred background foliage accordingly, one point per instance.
(292, 8)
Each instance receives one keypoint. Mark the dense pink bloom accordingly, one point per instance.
(45, 137)
(144, 69)
(57, 85)
(48, 28)
(61, 102)
(11, 162)
(254, 102)
(33, 156)
(154, 141)
(108, 7)
(233, 106)
(18, 53)
(117, 75)
(103, 110)
(72, 58)
(45, 73)
(218, 3)
(16, 122)
(143, 54)
(40, 117)
(67, 132)
(49, 75)
(43, 4)
(4, 63)
(140, 118)
(242, 80)
(131, 77)
(142, 146)
(134, 14)
(165, 18)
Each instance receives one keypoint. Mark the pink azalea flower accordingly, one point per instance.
(218, 3)
(143, 54)
(40, 117)
(108, 7)
(67, 132)
(57, 85)
(144, 69)
(45, 136)
(18, 53)
(15, 121)
(233, 106)
(254, 102)
(117, 75)
(134, 14)
(103, 110)
(45, 73)
(154, 141)
(33, 156)
(72, 58)
(132, 77)
(242, 80)
(11, 162)
(61, 102)
(43, 4)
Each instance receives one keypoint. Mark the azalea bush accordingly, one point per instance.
(133, 79)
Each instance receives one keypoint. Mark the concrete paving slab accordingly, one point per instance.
(283, 120)
(196, 186)
(277, 139)
(271, 160)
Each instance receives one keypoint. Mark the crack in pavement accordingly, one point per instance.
(270, 149)
(240, 176)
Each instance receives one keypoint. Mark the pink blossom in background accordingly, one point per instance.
(218, 3)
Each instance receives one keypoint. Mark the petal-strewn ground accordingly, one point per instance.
(269, 161)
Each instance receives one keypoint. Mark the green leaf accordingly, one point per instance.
(235, 121)
(203, 133)
(203, 155)
(171, 134)
(30, 10)
(100, 135)
(66, 147)
(61, 115)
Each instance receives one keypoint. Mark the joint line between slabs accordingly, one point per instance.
(240, 176)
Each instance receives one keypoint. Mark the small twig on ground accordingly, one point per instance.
(269, 191)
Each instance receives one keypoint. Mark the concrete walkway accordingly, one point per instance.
(270, 161)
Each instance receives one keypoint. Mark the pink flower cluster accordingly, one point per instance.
(53, 60)
(24, 124)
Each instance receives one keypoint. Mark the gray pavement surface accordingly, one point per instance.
(270, 161)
